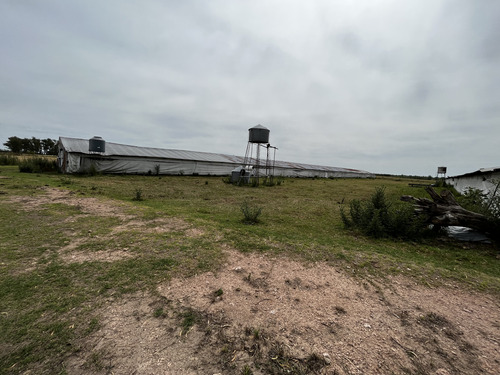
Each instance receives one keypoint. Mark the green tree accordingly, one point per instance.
(32, 145)
(14, 144)
(49, 146)
(26, 145)
(36, 145)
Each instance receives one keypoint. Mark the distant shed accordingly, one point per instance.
(74, 157)
(484, 179)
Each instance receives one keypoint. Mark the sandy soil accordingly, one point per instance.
(274, 316)
(265, 315)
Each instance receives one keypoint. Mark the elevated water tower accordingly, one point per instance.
(258, 138)
(441, 172)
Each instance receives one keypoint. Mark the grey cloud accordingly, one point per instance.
(395, 88)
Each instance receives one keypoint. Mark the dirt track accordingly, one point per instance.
(275, 315)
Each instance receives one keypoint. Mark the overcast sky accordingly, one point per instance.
(397, 87)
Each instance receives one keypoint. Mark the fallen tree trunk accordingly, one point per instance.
(443, 210)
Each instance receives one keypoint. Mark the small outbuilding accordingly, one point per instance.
(484, 179)
(83, 155)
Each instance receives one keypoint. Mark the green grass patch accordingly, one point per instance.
(48, 303)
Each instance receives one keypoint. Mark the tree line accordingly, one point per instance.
(31, 145)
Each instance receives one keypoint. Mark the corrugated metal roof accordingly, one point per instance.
(478, 172)
(486, 170)
(115, 149)
(81, 146)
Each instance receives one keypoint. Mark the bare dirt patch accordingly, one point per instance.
(91, 206)
(276, 316)
(162, 225)
(88, 205)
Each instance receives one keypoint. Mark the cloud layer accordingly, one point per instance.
(385, 86)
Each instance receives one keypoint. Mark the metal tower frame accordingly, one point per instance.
(254, 164)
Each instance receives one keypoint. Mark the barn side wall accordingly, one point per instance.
(84, 163)
(124, 165)
(311, 173)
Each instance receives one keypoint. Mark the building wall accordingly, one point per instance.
(310, 173)
(486, 182)
(128, 165)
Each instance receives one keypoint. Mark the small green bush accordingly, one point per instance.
(251, 212)
(66, 180)
(138, 195)
(93, 170)
(378, 217)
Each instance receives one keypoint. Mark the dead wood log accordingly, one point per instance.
(443, 210)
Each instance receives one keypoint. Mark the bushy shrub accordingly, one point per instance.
(378, 217)
(37, 165)
(251, 212)
(8, 160)
(487, 204)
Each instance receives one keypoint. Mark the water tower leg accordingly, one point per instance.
(257, 164)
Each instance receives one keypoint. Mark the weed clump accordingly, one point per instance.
(189, 319)
(280, 362)
(246, 370)
(251, 212)
(378, 217)
(273, 181)
(159, 313)
(138, 195)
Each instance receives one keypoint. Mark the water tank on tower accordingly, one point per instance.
(258, 134)
(253, 167)
(97, 145)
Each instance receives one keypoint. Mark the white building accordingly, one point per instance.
(484, 179)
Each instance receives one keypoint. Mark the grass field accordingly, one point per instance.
(47, 304)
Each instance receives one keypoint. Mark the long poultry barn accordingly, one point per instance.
(83, 155)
